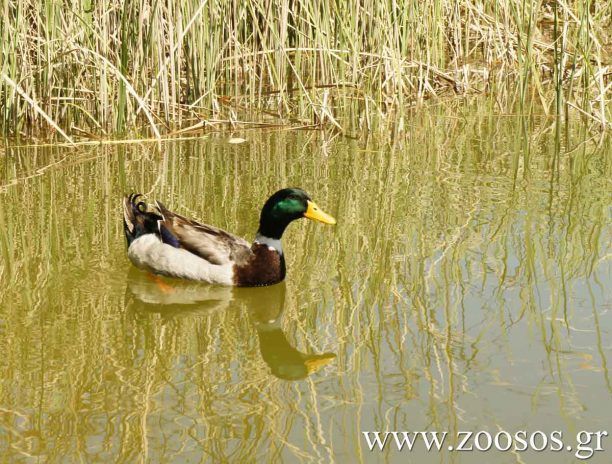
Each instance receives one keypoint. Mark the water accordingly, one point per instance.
(466, 286)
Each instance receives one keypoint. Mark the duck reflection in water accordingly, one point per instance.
(173, 298)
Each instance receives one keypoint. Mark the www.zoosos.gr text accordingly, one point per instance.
(584, 444)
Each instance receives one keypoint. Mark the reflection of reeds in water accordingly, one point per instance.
(454, 247)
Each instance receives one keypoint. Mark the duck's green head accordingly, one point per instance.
(285, 206)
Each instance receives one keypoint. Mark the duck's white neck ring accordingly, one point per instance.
(273, 243)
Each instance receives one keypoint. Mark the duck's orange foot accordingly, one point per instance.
(161, 284)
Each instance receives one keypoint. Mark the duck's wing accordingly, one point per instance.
(210, 243)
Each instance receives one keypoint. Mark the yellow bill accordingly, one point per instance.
(314, 212)
(315, 363)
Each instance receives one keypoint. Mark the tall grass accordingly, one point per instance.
(96, 69)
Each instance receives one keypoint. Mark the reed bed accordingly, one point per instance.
(88, 70)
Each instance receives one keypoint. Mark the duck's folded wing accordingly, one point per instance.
(210, 243)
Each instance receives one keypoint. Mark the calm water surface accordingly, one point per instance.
(465, 287)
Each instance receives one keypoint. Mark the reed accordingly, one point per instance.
(109, 69)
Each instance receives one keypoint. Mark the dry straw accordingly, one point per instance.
(92, 69)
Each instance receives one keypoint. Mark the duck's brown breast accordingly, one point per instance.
(265, 267)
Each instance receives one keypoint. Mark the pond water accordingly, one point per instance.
(466, 287)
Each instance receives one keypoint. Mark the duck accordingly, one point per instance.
(165, 243)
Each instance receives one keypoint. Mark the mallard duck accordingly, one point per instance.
(163, 242)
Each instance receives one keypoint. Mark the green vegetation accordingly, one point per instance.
(96, 69)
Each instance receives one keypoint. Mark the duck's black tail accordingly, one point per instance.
(137, 221)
